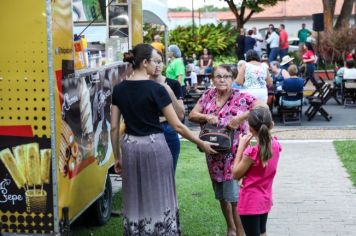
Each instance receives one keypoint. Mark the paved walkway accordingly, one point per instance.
(312, 193)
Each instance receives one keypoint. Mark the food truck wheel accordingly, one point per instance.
(101, 209)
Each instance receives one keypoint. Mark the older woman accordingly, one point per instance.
(176, 68)
(254, 76)
(226, 107)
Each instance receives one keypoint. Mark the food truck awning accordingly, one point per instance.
(155, 12)
(152, 18)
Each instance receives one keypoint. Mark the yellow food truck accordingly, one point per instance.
(55, 149)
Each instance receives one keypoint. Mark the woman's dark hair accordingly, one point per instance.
(252, 55)
(309, 46)
(161, 54)
(138, 54)
(260, 120)
(350, 63)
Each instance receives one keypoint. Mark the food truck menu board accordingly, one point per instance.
(26, 203)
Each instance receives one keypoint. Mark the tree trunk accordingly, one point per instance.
(240, 24)
(329, 9)
(345, 14)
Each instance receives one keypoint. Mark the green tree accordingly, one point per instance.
(246, 8)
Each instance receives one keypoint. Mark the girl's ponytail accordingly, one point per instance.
(260, 120)
(265, 139)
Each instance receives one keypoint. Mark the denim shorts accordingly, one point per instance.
(227, 190)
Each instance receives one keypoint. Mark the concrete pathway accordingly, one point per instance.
(312, 193)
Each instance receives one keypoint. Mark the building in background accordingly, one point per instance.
(292, 13)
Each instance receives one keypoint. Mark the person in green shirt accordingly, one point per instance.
(176, 68)
(303, 34)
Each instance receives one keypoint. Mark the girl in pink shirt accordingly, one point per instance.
(257, 166)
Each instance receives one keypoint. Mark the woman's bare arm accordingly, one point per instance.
(183, 130)
(196, 114)
(269, 80)
(114, 135)
(240, 79)
(285, 74)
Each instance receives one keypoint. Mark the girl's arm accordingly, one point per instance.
(242, 163)
(115, 139)
(240, 79)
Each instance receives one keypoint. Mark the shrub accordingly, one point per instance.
(224, 60)
(150, 30)
(334, 44)
(218, 39)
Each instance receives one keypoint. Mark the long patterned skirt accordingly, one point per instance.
(149, 194)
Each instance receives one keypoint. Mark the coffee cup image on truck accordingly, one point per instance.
(29, 167)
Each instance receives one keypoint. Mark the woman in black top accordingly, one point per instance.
(145, 161)
(175, 93)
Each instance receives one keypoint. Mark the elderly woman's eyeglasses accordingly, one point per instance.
(225, 77)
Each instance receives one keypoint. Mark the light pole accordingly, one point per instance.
(193, 25)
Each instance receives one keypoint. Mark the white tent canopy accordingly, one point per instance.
(152, 18)
(155, 11)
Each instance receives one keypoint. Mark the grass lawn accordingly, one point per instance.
(347, 153)
(200, 213)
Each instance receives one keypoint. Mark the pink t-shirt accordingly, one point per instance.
(255, 196)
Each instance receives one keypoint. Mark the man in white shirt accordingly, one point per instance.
(258, 37)
(273, 41)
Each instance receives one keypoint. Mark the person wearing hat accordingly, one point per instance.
(286, 62)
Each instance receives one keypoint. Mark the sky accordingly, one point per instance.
(197, 3)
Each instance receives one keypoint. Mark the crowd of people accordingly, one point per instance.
(240, 98)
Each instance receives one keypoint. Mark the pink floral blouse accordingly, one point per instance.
(220, 165)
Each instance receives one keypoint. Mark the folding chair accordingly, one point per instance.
(291, 114)
(349, 92)
(316, 103)
(318, 84)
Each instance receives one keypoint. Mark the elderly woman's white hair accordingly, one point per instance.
(174, 49)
